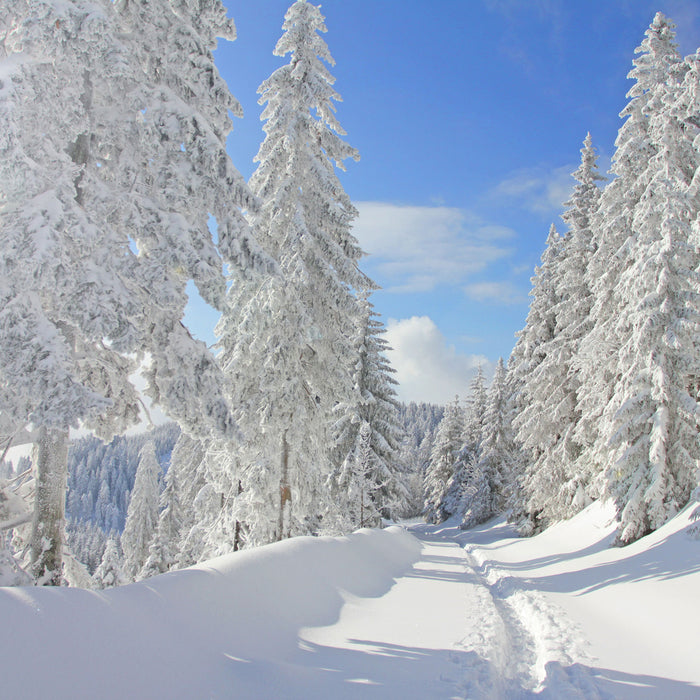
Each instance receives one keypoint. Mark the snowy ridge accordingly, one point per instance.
(192, 633)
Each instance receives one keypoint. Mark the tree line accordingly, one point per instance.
(600, 397)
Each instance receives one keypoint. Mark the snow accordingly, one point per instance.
(629, 613)
(425, 612)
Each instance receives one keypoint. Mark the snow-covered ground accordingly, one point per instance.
(430, 613)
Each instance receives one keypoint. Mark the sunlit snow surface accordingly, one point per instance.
(379, 614)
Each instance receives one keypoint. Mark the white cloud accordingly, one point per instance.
(418, 248)
(495, 292)
(427, 368)
(540, 190)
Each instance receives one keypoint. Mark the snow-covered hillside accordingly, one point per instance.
(430, 613)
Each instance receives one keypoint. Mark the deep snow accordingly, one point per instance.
(379, 614)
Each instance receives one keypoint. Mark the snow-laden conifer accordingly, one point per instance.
(498, 450)
(110, 572)
(164, 548)
(652, 470)
(142, 516)
(284, 339)
(374, 404)
(443, 457)
(528, 354)
(114, 122)
(558, 481)
(614, 235)
(459, 491)
(355, 485)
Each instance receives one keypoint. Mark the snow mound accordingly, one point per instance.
(185, 634)
(604, 621)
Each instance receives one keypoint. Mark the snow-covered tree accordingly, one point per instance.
(475, 503)
(459, 488)
(476, 412)
(376, 406)
(284, 339)
(654, 431)
(355, 485)
(165, 547)
(613, 241)
(558, 480)
(114, 122)
(498, 450)
(110, 571)
(448, 443)
(142, 516)
(529, 352)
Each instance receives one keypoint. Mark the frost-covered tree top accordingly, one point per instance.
(306, 215)
(541, 321)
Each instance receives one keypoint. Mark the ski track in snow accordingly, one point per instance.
(452, 627)
(517, 645)
(534, 649)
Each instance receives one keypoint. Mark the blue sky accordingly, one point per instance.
(469, 116)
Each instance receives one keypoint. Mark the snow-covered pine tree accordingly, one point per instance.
(187, 470)
(558, 481)
(443, 457)
(164, 548)
(110, 572)
(103, 221)
(142, 516)
(356, 487)
(284, 340)
(498, 450)
(653, 435)
(529, 352)
(459, 490)
(374, 404)
(614, 233)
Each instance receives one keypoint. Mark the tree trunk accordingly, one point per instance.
(237, 538)
(285, 489)
(362, 504)
(46, 544)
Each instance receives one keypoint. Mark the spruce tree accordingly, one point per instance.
(164, 548)
(284, 340)
(460, 488)
(142, 516)
(528, 354)
(558, 479)
(653, 434)
(498, 451)
(614, 233)
(374, 406)
(110, 572)
(443, 457)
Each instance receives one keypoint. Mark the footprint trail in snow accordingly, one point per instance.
(449, 628)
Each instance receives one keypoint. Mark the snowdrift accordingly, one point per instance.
(186, 634)
(629, 614)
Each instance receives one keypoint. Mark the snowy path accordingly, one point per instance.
(442, 631)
